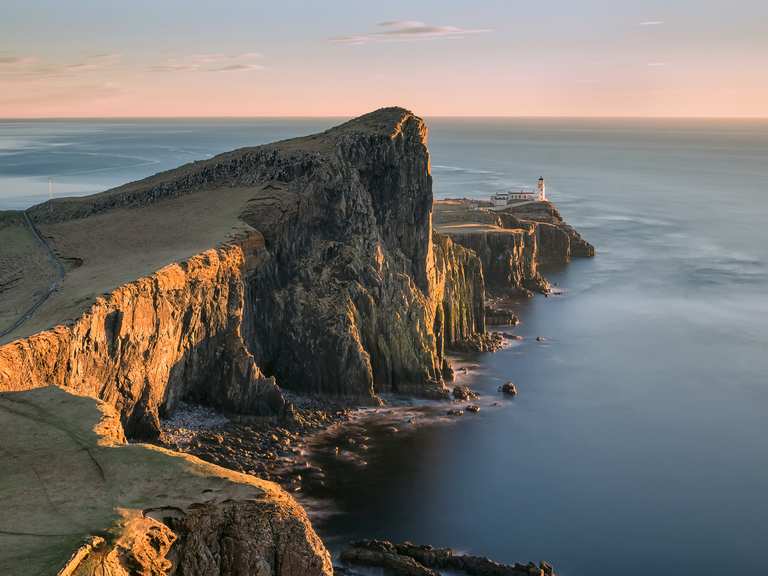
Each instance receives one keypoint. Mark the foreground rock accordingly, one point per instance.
(78, 501)
(411, 560)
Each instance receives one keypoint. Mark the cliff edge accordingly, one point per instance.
(79, 501)
(512, 242)
(308, 264)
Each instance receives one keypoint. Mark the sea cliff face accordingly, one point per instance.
(175, 334)
(507, 247)
(558, 241)
(512, 243)
(338, 287)
(351, 300)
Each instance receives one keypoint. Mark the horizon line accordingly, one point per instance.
(346, 116)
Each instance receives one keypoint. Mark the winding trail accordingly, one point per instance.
(57, 265)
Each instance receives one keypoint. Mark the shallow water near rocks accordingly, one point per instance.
(637, 442)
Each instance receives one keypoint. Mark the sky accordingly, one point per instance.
(108, 58)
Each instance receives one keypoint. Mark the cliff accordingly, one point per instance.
(308, 263)
(175, 334)
(79, 501)
(512, 243)
(558, 241)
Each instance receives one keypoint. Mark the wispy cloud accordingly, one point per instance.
(7, 60)
(657, 64)
(12, 66)
(245, 62)
(97, 62)
(406, 30)
(77, 92)
(651, 23)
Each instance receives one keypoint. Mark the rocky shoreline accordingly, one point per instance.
(280, 450)
(409, 559)
(272, 450)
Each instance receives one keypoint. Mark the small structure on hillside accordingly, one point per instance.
(502, 199)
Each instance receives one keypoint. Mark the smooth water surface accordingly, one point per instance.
(639, 441)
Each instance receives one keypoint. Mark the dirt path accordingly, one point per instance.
(57, 266)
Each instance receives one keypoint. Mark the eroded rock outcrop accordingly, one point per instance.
(558, 241)
(511, 243)
(79, 501)
(506, 246)
(357, 297)
(408, 559)
(175, 334)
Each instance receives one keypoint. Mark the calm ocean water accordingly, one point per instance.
(639, 441)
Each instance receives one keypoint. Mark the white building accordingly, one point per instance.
(529, 195)
(502, 199)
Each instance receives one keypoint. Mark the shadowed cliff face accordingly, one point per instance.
(513, 242)
(557, 240)
(347, 301)
(333, 283)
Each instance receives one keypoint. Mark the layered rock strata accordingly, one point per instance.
(558, 241)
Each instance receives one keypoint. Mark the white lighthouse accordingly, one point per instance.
(541, 187)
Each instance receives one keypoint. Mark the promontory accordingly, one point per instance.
(309, 265)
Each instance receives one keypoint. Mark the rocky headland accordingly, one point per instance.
(309, 266)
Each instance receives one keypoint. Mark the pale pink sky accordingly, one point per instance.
(483, 58)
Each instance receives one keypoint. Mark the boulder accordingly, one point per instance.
(409, 559)
(463, 392)
(508, 388)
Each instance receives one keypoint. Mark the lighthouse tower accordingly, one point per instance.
(542, 189)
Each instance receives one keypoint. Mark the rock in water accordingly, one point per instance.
(463, 392)
(508, 388)
(408, 559)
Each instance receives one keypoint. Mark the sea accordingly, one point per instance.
(638, 442)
